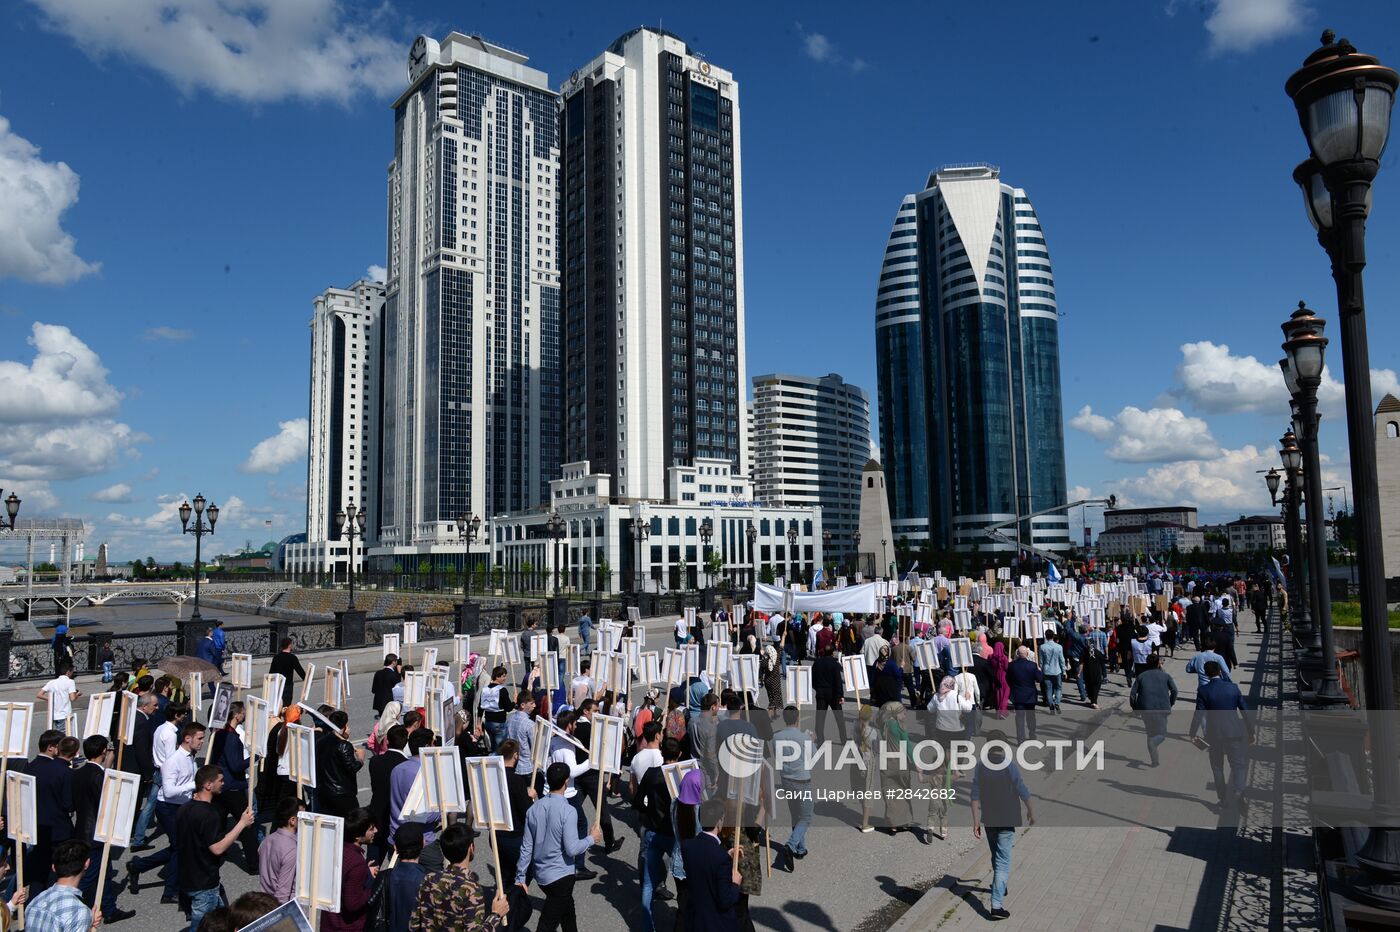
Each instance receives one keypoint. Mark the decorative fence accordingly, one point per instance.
(34, 659)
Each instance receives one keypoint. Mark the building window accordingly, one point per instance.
(1392, 430)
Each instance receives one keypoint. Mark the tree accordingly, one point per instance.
(605, 576)
(714, 565)
(150, 563)
(425, 567)
(480, 580)
(765, 575)
(498, 575)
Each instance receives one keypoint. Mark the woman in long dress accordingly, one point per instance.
(772, 675)
(1003, 691)
(896, 769)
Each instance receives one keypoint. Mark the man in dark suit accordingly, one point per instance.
(87, 798)
(286, 663)
(1024, 678)
(1198, 619)
(1153, 693)
(53, 799)
(1220, 708)
(712, 879)
(380, 767)
(385, 679)
(829, 688)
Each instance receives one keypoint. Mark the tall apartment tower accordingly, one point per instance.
(810, 443)
(653, 268)
(471, 318)
(967, 338)
(342, 439)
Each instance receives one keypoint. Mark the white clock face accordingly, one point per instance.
(420, 56)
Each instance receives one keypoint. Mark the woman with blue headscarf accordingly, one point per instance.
(62, 646)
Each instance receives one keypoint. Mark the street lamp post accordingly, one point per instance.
(707, 531)
(1344, 100)
(351, 522)
(468, 527)
(792, 550)
(555, 525)
(1291, 457)
(885, 551)
(752, 535)
(855, 540)
(826, 544)
(1306, 348)
(198, 529)
(641, 529)
(12, 509)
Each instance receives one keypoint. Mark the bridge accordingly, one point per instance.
(67, 597)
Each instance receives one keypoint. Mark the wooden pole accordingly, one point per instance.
(598, 802)
(102, 876)
(19, 878)
(738, 822)
(491, 824)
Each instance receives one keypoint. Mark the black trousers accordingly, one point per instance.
(828, 708)
(558, 910)
(587, 786)
(232, 803)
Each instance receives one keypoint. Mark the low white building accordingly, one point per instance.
(601, 539)
(1257, 532)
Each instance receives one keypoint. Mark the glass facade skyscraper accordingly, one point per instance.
(470, 350)
(653, 273)
(967, 337)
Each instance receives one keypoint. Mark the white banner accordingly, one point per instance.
(858, 599)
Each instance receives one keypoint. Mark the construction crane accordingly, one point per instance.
(997, 532)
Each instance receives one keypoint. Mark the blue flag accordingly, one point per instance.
(1275, 570)
(1053, 575)
(817, 577)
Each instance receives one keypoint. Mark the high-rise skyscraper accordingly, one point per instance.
(471, 319)
(653, 270)
(811, 440)
(967, 343)
(342, 431)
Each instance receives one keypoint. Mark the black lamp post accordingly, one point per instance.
(199, 529)
(1306, 348)
(1300, 592)
(707, 531)
(792, 550)
(1344, 101)
(555, 526)
(885, 552)
(352, 526)
(12, 509)
(855, 541)
(468, 528)
(826, 544)
(752, 535)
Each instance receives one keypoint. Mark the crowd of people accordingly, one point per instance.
(403, 871)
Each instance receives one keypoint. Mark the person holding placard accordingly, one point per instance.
(496, 706)
(450, 900)
(588, 782)
(400, 786)
(233, 762)
(713, 880)
(202, 842)
(285, 664)
(385, 679)
(550, 847)
(53, 798)
(177, 787)
(61, 692)
(87, 801)
(165, 740)
(829, 691)
(357, 876)
(337, 763)
(797, 781)
(653, 802)
(277, 857)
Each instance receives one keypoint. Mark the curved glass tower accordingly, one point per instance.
(969, 366)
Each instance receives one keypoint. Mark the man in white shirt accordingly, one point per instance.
(164, 740)
(797, 781)
(176, 788)
(582, 686)
(648, 754)
(562, 751)
(61, 692)
(682, 631)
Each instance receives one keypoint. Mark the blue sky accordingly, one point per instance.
(174, 204)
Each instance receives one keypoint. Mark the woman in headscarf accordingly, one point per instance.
(379, 734)
(868, 740)
(888, 685)
(771, 672)
(1000, 662)
(982, 670)
(896, 769)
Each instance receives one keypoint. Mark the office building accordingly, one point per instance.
(652, 264)
(967, 341)
(1184, 515)
(1258, 532)
(342, 431)
(601, 549)
(810, 442)
(470, 350)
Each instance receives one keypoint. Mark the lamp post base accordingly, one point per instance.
(1379, 859)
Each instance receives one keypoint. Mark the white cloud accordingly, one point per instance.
(34, 195)
(250, 50)
(280, 450)
(65, 451)
(36, 498)
(173, 334)
(65, 380)
(820, 48)
(1158, 435)
(1243, 25)
(1216, 381)
(119, 494)
(377, 273)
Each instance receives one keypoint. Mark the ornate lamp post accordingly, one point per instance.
(1292, 459)
(855, 541)
(752, 534)
(199, 529)
(641, 529)
(555, 526)
(792, 550)
(826, 544)
(1344, 100)
(1306, 347)
(885, 551)
(468, 528)
(707, 531)
(352, 526)
(12, 509)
